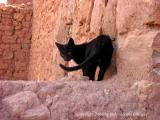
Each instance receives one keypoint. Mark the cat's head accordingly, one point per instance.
(66, 50)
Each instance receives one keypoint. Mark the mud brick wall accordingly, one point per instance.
(15, 40)
(18, 1)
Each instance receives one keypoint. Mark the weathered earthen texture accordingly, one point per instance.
(138, 25)
(18, 1)
(87, 100)
(135, 25)
(15, 41)
(64, 19)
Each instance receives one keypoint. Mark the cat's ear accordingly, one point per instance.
(71, 41)
(59, 46)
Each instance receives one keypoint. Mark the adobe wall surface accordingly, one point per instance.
(15, 41)
(64, 19)
(138, 27)
(135, 25)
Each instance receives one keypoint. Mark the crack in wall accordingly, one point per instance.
(90, 16)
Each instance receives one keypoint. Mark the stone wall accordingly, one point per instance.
(15, 41)
(135, 25)
(18, 1)
(79, 99)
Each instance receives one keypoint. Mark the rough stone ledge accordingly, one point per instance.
(79, 100)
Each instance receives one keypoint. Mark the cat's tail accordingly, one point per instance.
(90, 59)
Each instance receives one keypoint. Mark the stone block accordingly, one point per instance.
(20, 34)
(8, 10)
(6, 21)
(18, 103)
(7, 16)
(38, 113)
(20, 75)
(21, 66)
(28, 17)
(8, 33)
(9, 39)
(3, 65)
(15, 47)
(26, 46)
(7, 27)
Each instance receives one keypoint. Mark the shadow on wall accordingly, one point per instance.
(156, 57)
(113, 67)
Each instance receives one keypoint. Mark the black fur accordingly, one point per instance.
(98, 52)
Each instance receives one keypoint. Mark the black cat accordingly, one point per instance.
(98, 52)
